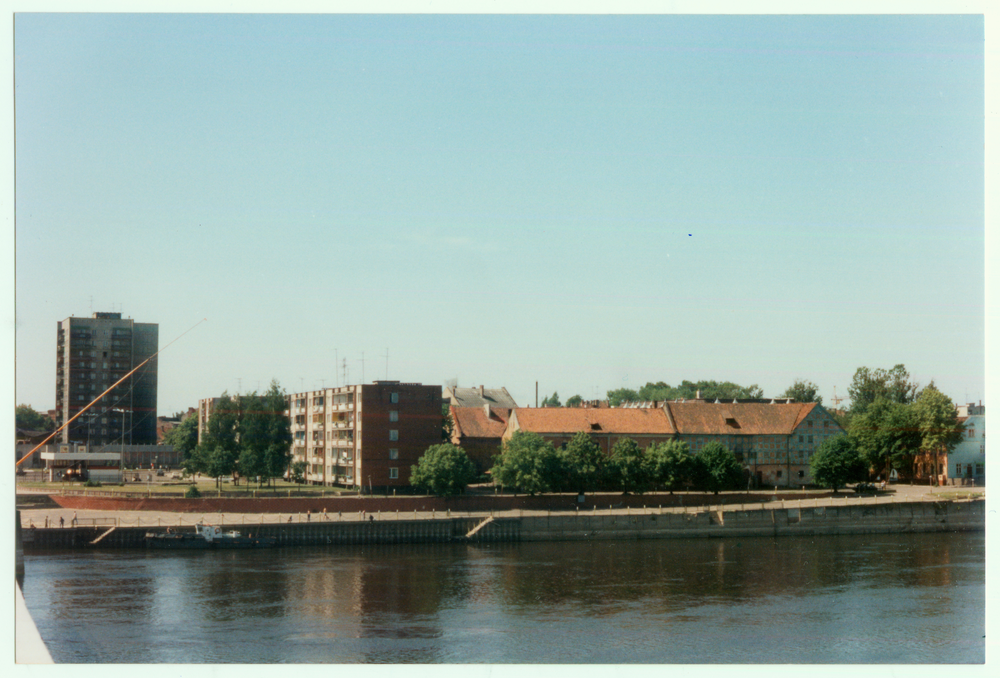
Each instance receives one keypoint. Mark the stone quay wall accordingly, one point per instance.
(748, 522)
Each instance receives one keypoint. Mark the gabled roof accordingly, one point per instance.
(472, 422)
(570, 420)
(479, 396)
(738, 418)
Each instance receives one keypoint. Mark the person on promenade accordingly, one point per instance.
(74, 519)
(61, 521)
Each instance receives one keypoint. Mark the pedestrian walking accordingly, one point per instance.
(74, 518)
(61, 521)
(309, 515)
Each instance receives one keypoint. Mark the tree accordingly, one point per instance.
(893, 385)
(447, 423)
(27, 419)
(887, 435)
(716, 468)
(937, 422)
(552, 400)
(443, 470)
(183, 437)
(686, 390)
(837, 462)
(298, 471)
(670, 463)
(627, 467)
(265, 436)
(583, 463)
(527, 463)
(574, 401)
(804, 392)
(621, 395)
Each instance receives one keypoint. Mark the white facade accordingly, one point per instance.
(968, 459)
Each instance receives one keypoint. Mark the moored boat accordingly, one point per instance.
(206, 537)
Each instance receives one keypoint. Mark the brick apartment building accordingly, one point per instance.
(365, 436)
(91, 355)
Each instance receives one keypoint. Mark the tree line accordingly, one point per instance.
(531, 465)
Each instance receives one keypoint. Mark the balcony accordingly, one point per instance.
(343, 407)
(318, 426)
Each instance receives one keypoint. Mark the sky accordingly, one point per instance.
(586, 202)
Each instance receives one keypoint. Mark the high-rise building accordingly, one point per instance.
(367, 435)
(92, 354)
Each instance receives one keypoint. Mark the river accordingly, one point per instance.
(906, 598)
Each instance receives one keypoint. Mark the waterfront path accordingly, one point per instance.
(49, 517)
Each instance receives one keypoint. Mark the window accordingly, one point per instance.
(779, 473)
(810, 440)
(958, 470)
(393, 415)
(801, 438)
(809, 424)
(802, 474)
(393, 434)
(393, 397)
(393, 473)
(393, 453)
(826, 424)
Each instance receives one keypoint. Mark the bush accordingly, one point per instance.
(92, 483)
(192, 493)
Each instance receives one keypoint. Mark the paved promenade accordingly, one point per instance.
(49, 517)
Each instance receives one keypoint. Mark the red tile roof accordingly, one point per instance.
(471, 422)
(569, 420)
(743, 418)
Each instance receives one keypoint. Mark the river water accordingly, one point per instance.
(908, 598)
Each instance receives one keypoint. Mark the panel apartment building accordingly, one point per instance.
(364, 436)
(91, 355)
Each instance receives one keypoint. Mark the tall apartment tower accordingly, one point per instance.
(364, 436)
(92, 354)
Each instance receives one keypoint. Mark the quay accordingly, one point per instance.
(801, 518)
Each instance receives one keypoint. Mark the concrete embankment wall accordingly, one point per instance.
(767, 522)
(828, 520)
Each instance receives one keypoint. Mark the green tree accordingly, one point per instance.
(621, 395)
(183, 437)
(837, 462)
(552, 400)
(574, 401)
(583, 463)
(27, 419)
(528, 463)
(892, 385)
(887, 435)
(264, 434)
(937, 421)
(716, 468)
(298, 471)
(447, 423)
(670, 463)
(627, 467)
(804, 392)
(443, 470)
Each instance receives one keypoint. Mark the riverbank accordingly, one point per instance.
(720, 521)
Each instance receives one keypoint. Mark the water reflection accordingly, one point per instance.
(900, 598)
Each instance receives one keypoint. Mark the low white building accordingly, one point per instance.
(967, 462)
(103, 467)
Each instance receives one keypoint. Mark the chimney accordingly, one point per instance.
(486, 408)
(697, 394)
(480, 390)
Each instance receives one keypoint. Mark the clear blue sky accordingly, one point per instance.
(591, 202)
